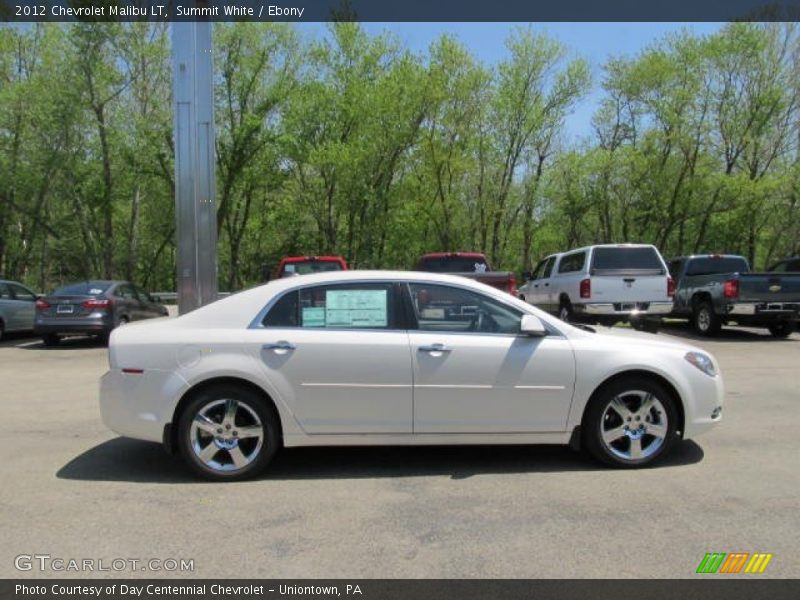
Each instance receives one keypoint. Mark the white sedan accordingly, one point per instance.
(392, 358)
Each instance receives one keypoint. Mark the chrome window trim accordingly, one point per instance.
(256, 323)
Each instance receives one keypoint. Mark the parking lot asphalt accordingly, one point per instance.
(73, 490)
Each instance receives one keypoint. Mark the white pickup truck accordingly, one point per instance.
(604, 284)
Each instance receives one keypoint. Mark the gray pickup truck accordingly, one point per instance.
(712, 290)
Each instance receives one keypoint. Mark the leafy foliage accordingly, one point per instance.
(352, 144)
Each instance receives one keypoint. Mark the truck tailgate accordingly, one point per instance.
(629, 287)
(769, 287)
(497, 279)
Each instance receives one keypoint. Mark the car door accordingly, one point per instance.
(24, 306)
(8, 307)
(127, 303)
(539, 286)
(474, 372)
(337, 355)
(148, 309)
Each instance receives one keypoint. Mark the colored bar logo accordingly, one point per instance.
(720, 562)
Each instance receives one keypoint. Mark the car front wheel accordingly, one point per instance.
(227, 433)
(631, 423)
(782, 329)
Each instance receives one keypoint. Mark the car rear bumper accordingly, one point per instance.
(139, 405)
(765, 311)
(623, 309)
(83, 325)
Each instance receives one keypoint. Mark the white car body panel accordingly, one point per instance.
(360, 387)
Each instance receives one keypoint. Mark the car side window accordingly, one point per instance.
(5, 292)
(341, 306)
(458, 310)
(21, 293)
(572, 263)
(548, 268)
(537, 272)
(125, 291)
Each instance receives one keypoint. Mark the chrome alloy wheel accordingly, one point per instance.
(634, 425)
(226, 435)
(703, 320)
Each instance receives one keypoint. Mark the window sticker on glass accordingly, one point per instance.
(313, 317)
(356, 308)
(95, 291)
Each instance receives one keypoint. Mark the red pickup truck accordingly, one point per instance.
(468, 264)
(303, 265)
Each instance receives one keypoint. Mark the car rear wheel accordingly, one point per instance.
(782, 329)
(227, 433)
(2, 329)
(51, 339)
(631, 423)
(705, 320)
(565, 311)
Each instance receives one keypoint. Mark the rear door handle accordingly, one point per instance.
(435, 349)
(279, 346)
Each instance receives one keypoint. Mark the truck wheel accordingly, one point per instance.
(704, 320)
(781, 329)
(565, 311)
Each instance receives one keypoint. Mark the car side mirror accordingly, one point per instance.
(532, 325)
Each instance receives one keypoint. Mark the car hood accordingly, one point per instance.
(630, 337)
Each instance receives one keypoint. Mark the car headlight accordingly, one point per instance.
(702, 362)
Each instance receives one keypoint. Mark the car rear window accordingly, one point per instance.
(86, 288)
(453, 264)
(310, 266)
(626, 259)
(711, 265)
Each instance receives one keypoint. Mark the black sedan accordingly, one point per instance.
(92, 308)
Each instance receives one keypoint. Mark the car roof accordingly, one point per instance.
(325, 258)
(453, 255)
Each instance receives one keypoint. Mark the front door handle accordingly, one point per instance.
(282, 345)
(435, 349)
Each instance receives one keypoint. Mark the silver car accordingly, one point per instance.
(17, 307)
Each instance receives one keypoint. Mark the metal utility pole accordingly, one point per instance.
(195, 179)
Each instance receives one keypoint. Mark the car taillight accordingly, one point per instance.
(670, 287)
(731, 288)
(95, 304)
(512, 285)
(41, 304)
(586, 288)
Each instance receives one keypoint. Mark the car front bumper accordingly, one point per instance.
(623, 309)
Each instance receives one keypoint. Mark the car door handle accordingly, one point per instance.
(279, 346)
(546, 285)
(435, 348)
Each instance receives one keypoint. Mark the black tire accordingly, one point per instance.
(51, 339)
(646, 325)
(782, 329)
(565, 310)
(259, 456)
(599, 417)
(704, 320)
(2, 329)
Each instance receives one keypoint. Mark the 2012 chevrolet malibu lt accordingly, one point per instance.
(393, 358)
